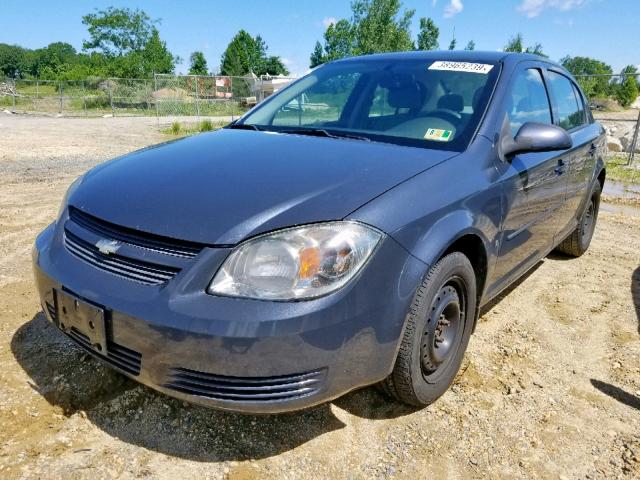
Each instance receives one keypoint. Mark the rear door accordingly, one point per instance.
(533, 183)
(570, 113)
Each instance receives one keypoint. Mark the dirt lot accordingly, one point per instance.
(550, 386)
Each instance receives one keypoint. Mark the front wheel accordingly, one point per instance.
(436, 334)
(578, 242)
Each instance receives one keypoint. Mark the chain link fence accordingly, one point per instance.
(168, 97)
(189, 98)
(89, 97)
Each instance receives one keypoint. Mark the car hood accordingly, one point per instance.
(222, 187)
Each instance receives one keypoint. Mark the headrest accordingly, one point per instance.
(404, 91)
(451, 102)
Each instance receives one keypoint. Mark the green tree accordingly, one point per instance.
(630, 70)
(593, 87)
(118, 31)
(471, 45)
(317, 56)
(198, 64)
(627, 91)
(452, 45)
(428, 35)
(272, 65)
(156, 58)
(129, 42)
(380, 27)
(52, 60)
(339, 40)
(375, 26)
(536, 50)
(246, 54)
(514, 44)
(12, 60)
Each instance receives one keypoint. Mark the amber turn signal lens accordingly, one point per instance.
(309, 262)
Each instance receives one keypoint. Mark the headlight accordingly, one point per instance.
(297, 263)
(74, 185)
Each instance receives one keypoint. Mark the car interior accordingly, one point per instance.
(404, 105)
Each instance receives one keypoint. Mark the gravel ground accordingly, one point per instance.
(550, 386)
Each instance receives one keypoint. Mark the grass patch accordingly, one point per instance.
(175, 128)
(178, 129)
(618, 170)
(206, 126)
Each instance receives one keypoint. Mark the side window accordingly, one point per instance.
(529, 101)
(570, 114)
(321, 103)
(581, 107)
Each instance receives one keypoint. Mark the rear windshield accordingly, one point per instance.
(433, 104)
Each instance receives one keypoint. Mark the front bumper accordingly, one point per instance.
(239, 354)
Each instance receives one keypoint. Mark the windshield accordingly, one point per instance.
(433, 104)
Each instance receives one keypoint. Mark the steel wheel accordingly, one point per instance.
(442, 331)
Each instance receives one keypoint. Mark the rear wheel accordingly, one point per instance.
(578, 242)
(437, 332)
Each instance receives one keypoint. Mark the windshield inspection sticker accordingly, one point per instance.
(438, 135)
(461, 67)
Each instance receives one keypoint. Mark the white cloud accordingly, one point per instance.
(453, 8)
(287, 62)
(564, 22)
(533, 8)
(329, 21)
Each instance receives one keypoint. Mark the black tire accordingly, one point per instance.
(422, 372)
(578, 242)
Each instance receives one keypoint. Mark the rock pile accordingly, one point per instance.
(620, 136)
(7, 89)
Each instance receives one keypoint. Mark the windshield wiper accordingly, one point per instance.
(321, 132)
(243, 126)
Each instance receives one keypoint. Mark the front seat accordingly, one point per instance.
(452, 103)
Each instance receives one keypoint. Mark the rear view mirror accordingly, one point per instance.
(535, 137)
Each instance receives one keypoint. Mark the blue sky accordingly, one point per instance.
(605, 29)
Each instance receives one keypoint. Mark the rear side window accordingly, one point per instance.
(570, 113)
(529, 101)
(581, 106)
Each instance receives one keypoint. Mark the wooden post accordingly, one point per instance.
(634, 142)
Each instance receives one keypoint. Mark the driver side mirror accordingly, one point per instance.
(533, 137)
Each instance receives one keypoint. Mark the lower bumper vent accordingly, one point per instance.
(243, 389)
(117, 355)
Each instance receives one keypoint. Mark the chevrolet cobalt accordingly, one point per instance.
(342, 233)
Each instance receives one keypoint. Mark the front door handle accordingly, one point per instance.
(593, 149)
(560, 168)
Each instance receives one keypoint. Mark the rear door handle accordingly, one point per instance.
(560, 168)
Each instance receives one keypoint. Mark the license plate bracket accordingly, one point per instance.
(87, 318)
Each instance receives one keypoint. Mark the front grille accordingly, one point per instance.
(170, 246)
(256, 389)
(121, 357)
(138, 270)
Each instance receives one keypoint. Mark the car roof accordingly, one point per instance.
(476, 56)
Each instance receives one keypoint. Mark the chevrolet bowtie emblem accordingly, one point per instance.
(108, 247)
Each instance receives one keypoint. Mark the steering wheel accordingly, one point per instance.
(447, 115)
